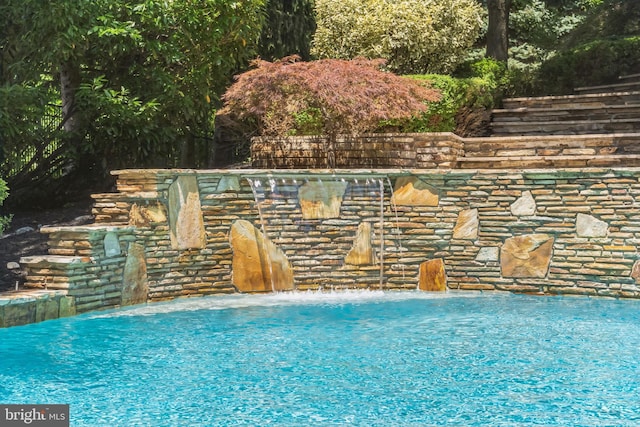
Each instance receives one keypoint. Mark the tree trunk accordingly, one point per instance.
(187, 153)
(498, 31)
(69, 84)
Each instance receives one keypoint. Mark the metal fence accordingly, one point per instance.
(46, 141)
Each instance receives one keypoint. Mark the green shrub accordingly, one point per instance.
(4, 192)
(478, 90)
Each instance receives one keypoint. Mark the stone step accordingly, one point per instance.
(85, 240)
(542, 162)
(547, 145)
(574, 101)
(526, 114)
(569, 127)
(51, 271)
(627, 85)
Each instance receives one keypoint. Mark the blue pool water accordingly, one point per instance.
(353, 358)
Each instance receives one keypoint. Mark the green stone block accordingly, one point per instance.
(67, 306)
(20, 313)
(47, 308)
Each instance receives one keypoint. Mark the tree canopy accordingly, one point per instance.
(288, 29)
(413, 36)
(137, 81)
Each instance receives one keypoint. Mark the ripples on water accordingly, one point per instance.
(333, 359)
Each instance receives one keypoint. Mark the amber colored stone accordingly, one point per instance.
(433, 277)
(258, 264)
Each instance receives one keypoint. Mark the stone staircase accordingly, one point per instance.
(598, 126)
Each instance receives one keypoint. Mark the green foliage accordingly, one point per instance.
(597, 62)
(322, 97)
(288, 29)
(599, 50)
(149, 73)
(4, 192)
(29, 129)
(480, 90)
(613, 19)
(414, 36)
(537, 28)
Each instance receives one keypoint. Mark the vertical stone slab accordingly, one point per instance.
(111, 245)
(185, 214)
(467, 225)
(47, 308)
(526, 256)
(228, 183)
(135, 287)
(362, 252)
(635, 272)
(321, 200)
(258, 264)
(67, 306)
(412, 191)
(433, 277)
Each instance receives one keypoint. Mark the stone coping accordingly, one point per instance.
(572, 96)
(598, 136)
(28, 295)
(55, 259)
(88, 228)
(129, 195)
(384, 171)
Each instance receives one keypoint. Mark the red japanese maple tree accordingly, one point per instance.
(327, 97)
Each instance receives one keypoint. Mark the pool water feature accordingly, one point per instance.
(321, 208)
(367, 358)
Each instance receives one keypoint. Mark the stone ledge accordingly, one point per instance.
(54, 260)
(89, 228)
(139, 195)
(524, 162)
(33, 306)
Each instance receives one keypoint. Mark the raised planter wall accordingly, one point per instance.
(411, 150)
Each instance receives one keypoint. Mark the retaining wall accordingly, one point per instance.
(572, 231)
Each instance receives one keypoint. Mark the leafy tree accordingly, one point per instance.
(137, 81)
(327, 97)
(414, 36)
(288, 29)
(602, 48)
(526, 32)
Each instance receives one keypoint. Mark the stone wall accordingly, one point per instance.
(411, 150)
(170, 233)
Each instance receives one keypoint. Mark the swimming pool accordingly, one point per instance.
(351, 358)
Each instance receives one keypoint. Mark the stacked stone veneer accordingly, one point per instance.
(411, 150)
(170, 233)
